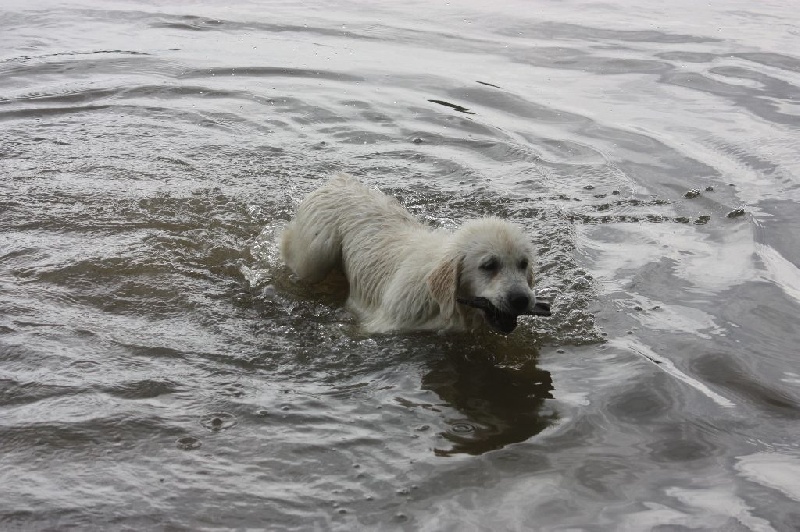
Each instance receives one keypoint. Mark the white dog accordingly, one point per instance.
(404, 275)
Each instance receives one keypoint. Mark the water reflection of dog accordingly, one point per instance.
(500, 404)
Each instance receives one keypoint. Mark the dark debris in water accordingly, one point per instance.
(691, 194)
(458, 108)
(188, 443)
(626, 218)
(218, 421)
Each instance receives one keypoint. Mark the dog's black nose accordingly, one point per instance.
(519, 302)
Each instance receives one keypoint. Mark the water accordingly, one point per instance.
(159, 368)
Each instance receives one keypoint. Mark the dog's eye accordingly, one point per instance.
(523, 264)
(489, 265)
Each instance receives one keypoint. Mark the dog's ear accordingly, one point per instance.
(443, 284)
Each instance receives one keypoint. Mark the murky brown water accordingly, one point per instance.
(159, 369)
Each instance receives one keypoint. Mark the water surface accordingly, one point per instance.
(159, 367)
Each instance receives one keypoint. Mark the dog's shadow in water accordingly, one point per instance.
(501, 404)
(494, 383)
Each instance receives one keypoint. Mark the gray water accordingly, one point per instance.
(160, 369)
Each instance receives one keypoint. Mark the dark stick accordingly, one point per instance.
(540, 308)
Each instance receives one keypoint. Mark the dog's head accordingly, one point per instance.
(489, 268)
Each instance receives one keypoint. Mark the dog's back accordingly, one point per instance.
(341, 216)
(372, 239)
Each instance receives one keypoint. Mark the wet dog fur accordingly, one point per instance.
(403, 275)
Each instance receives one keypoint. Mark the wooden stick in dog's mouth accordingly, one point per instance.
(540, 308)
